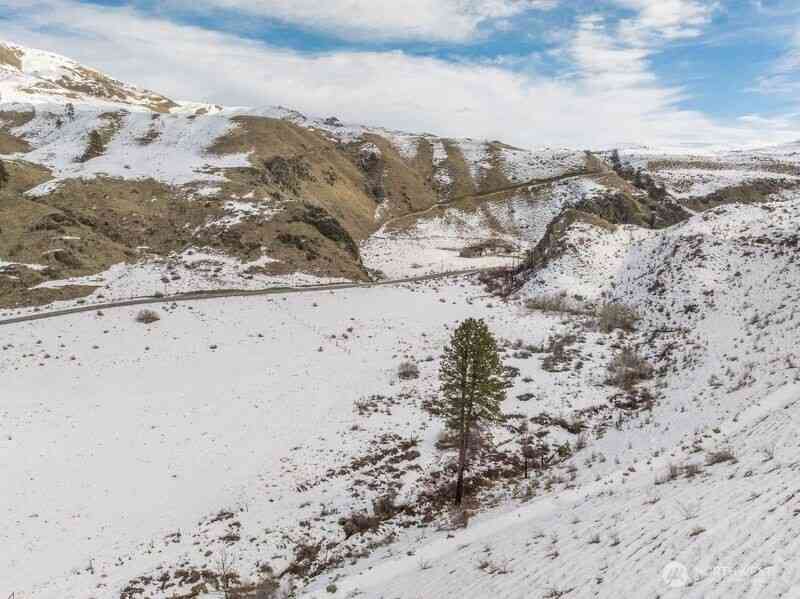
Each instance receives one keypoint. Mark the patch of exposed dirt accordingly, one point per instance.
(10, 143)
(265, 140)
(10, 56)
(494, 177)
(407, 185)
(15, 295)
(459, 170)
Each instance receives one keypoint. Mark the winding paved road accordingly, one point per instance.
(208, 295)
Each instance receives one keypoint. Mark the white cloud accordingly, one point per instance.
(429, 20)
(784, 76)
(605, 62)
(610, 97)
(658, 20)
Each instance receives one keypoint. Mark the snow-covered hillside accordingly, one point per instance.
(773, 170)
(651, 332)
(696, 496)
(437, 238)
(28, 75)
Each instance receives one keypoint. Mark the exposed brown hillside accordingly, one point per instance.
(311, 201)
(305, 194)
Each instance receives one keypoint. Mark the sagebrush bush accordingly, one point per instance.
(147, 317)
(627, 369)
(555, 302)
(408, 371)
(613, 316)
(720, 456)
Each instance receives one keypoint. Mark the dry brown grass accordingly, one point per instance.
(560, 303)
(627, 369)
(613, 316)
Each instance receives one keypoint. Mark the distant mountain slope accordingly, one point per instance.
(102, 172)
(34, 75)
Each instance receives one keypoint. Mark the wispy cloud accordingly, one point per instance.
(784, 75)
(429, 20)
(665, 20)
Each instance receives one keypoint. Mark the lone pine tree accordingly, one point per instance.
(473, 385)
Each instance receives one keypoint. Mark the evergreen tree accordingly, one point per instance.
(3, 174)
(473, 384)
(616, 162)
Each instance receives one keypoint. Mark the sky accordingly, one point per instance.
(580, 73)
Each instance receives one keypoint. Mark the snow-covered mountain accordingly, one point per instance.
(645, 300)
(29, 75)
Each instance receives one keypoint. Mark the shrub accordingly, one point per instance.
(613, 316)
(627, 369)
(692, 470)
(720, 456)
(383, 507)
(554, 302)
(408, 371)
(358, 523)
(672, 473)
(768, 451)
(147, 317)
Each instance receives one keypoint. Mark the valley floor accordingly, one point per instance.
(233, 427)
(118, 435)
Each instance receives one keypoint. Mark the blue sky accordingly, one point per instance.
(573, 72)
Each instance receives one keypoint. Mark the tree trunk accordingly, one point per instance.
(462, 464)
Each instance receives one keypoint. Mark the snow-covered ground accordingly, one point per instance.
(729, 531)
(42, 77)
(432, 246)
(118, 436)
(687, 183)
(687, 175)
(435, 240)
(171, 149)
(648, 506)
(195, 269)
(138, 449)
